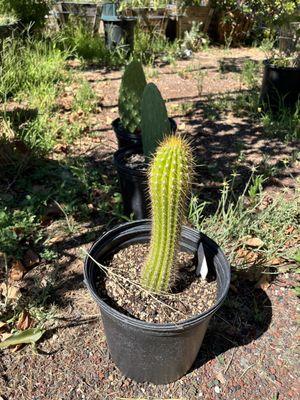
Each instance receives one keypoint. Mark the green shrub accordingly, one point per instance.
(28, 11)
(16, 227)
(149, 46)
(82, 43)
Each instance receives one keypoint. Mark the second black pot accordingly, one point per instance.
(133, 184)
(280, 87)
(126, 138)
(149, 352)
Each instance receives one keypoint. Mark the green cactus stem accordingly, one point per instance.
(169, 181)
(131, 91)
(155, 123)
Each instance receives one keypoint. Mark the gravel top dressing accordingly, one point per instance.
(189, 294)
(136, 161)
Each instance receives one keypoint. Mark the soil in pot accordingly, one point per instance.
(189, 296)
(136, 161)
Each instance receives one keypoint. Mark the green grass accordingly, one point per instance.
(246, 215)
(29, 64)
(85, 98)
(31, 73)
(34, 72)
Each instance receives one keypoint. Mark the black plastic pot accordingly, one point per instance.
(149, 352)
(120, 32)
(126, 138)
(280, 87)
(133, 184)
(8, 29)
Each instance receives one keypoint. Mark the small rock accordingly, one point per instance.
(217, 389)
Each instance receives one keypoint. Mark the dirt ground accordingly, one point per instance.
(250, 349)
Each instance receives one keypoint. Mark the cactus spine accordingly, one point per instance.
(131, 91)
(169, 181)
(155, 123)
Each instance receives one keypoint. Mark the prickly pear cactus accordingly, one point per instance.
(155, 123)
(169, 181)
(131, 91)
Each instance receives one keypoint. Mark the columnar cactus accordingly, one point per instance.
(155, 123)
(169, 181)
(131, 91)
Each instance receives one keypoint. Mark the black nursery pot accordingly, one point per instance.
(126, 138)
(149, 352)
(133, 184)
(280, 87)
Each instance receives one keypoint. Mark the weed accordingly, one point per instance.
(85, 98)
(186, 108)
(200, 76)
(250, 74)
(48, 255)
(149, 46)
(236, 219)
(256, 188)
(152, 73)
(285, 124)
(194, 39)
(17, 228)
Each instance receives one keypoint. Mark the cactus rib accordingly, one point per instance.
(169, 181)
(155, 124)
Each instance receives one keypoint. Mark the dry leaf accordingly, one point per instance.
(289, 230)
(248, 255)
(24, 321)
(11, 292)
(17, 271)
(264, 282)
(55, 239)
(2, 325)
(31, 259)
(254, 242)
(276, 261)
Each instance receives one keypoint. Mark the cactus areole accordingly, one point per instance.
(131, 91)
(169, 181)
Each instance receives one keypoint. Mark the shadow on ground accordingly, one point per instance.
(244, 317)
(227, 143)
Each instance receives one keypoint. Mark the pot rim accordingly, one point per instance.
(268, 63)
(119, 129)
(152, 326)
